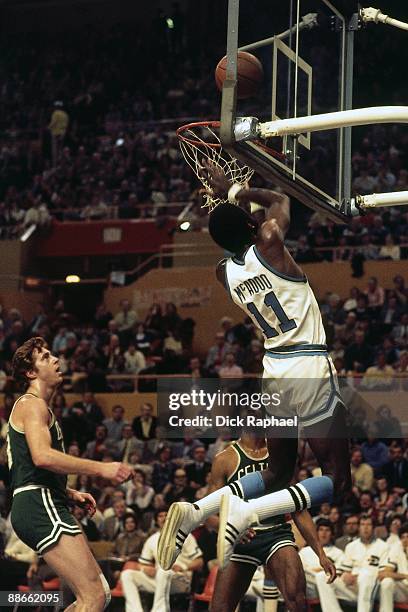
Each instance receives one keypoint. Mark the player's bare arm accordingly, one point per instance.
(32, 415)
(307, 528)
(223, 466)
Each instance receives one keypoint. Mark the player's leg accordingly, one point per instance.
(231, 585)
(236, 515)
(281, 463)
(72, 560)
(329, 442)
(265, 590)
(287, 569)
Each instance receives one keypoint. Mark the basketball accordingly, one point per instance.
(249, 74)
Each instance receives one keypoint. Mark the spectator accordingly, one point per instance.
(380, 376)
(151, 578)
(310, 560)
(198, 470)
(390, 250)
(367, 506)
(400, 332)
(114, 525)
(127, 445)
(384, 500)
(90, 407)
(387, 424)
(361, 473)
(163, 469)
(127, 547)
(134, 360)
(216, 353)
(178, 489)
(362, 560)
(171, 319)
(400, 290)
(58, 128)
(396, 470)
(394, 524)
(375, 452)
(375, 295)
(144, 426)
(393, 576)
(115, 424)
(139, 495)
(229, 368)
(359, 353)
(350, 531)
(98, 448)
(126, 317)
(335, 521)
(128, 544)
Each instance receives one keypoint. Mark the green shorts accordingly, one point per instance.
(265, 544)
(40, 516)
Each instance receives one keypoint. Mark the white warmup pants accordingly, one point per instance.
(162, 585)
(392, 590)
(362, 593)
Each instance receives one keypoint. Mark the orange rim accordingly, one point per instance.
(217, 145)
(198, 143)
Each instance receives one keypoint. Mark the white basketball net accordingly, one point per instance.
(204, 138)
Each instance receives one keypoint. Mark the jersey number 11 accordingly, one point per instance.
(285, 324)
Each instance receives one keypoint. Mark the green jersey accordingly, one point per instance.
(247, 465)
(23, 470)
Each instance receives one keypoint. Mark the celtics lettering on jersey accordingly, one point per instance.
(283, 307)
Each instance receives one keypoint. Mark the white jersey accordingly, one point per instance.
(359, 556)
(283, 307)
(397, 560)
(310, 560)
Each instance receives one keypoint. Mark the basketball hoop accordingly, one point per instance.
(200, 141)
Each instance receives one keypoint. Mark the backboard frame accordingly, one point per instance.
(295, 185)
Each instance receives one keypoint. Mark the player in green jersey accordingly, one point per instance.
(39, 466)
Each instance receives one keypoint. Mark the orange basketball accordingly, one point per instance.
(249, 74)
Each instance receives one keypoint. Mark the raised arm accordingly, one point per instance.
(35, 416)
(265, 205)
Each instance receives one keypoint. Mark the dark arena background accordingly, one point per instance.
(105, 253)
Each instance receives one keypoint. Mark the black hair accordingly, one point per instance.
(325, 523)
(232, 228)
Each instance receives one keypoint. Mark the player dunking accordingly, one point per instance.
(39, 466)
(273, 544)
(265, 281)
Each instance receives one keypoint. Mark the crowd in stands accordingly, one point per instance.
(77, 146)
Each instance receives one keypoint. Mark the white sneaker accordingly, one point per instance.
(235, 518)
(182, 518)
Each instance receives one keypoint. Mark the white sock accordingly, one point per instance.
(280, 502)
(210, 504)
